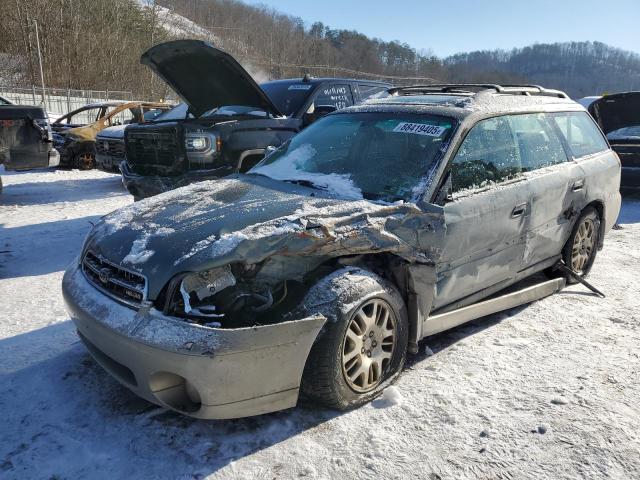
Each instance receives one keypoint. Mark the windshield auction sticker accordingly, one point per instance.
(298, 86)
(420, 129)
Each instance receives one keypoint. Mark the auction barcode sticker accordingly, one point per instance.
(420, 129)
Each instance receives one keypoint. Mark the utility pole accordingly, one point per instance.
(35, 22)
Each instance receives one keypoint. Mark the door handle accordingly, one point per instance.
(577, 185)
(518, 210)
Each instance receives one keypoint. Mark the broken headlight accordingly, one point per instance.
(197, 289)
(226, 295)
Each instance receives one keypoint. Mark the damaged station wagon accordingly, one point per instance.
(318, 271)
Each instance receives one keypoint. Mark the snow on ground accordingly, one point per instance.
(549, 390)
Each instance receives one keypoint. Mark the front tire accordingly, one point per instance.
(85, 161)
(362, 347)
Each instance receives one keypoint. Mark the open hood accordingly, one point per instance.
(205, 77)
(613, 112)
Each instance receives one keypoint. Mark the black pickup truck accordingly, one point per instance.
(230, 120)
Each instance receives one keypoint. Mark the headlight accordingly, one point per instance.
(198, 142)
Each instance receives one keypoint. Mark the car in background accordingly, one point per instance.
(25, 138)
(619, 118)
(75, 133)
(320, 269)
(110, 151)
(230, 121)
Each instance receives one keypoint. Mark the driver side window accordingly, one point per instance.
(487, 155)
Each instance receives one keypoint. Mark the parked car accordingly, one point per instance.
(324, 265)
(25, 138)
(619, 117)
(110, 150)
(75, 132)
(231, 120)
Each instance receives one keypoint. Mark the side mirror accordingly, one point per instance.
(322, 110)
(318, 112)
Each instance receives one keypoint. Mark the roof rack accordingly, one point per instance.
(477, 88)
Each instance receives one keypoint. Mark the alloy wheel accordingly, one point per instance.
(368, 346)
(583, 245)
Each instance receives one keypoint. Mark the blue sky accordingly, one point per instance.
(448, 27)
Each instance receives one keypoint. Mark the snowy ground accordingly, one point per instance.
(549, 390)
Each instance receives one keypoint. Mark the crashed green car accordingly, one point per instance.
(320, 269)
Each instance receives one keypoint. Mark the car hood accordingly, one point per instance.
(205, 77)
(613, 112)
(248, 218)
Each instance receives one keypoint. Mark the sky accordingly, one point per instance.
(448, 27)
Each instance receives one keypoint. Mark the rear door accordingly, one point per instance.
(555, 185)
(486, 220)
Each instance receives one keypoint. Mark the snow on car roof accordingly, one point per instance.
(462, 105)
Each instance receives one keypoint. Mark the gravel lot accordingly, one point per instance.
(549, 390)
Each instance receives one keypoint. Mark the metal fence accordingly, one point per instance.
(59, 101)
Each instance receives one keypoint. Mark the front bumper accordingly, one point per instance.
(144, 186)
(198, 371)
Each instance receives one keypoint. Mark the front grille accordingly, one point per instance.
(124, 285)
(115, 148)
(159, 147)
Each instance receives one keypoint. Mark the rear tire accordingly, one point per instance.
(362, 347)
(579, 253)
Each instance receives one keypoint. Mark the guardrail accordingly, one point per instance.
(59, 101)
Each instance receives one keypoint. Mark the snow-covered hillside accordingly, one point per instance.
(545, 391)
(179, 26)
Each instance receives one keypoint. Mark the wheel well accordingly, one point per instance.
(599, 207)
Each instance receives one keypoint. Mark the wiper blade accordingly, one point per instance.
(306, 183)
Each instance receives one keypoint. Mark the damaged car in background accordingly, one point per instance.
(318, 271)
(75, 133)
(619, 117)
(26, 140)
(231, 120)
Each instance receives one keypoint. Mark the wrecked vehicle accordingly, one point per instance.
(231, 119)
(75, 133)
(619, 117)
(322, 267)
(110, 150)
(25, 138)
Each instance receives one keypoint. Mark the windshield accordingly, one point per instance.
(286, 96)
(235, 110)
(378, 156)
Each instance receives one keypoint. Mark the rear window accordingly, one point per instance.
(581, 133)
(288, 97)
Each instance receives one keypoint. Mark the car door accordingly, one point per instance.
(486, 217)
(555, 186)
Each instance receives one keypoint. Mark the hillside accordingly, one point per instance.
(97, 45)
